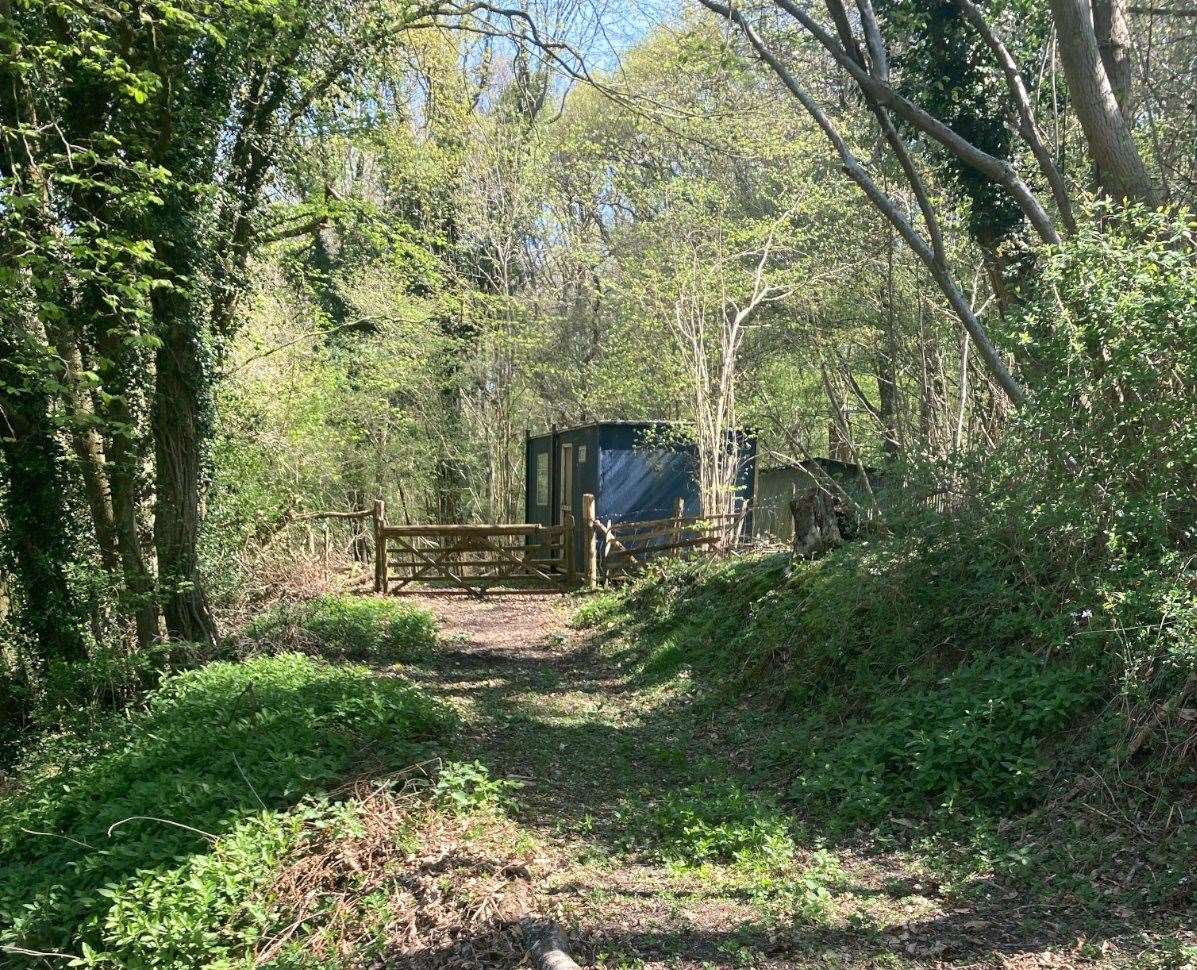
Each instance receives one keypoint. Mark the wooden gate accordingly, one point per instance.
(475, 558)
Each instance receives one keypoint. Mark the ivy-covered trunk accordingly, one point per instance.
(123, 463)
(38, 531)
(180, 410)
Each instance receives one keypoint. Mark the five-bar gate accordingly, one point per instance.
(474, 558)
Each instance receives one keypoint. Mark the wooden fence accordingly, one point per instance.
(616, 548)
(474, 558)
(531, 557)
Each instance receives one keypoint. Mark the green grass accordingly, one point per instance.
(144, 842)
(348, 627)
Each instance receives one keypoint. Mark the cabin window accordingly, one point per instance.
(581, 454)
(542, 479)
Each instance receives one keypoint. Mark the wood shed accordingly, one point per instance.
(776, 487)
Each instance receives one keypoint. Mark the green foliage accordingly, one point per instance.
(145, 838)
(720, 822)
(974, 740)
(1106, 459)
(352, 627)
(1090, 504)
(712, 824)
(111, 677)
(466, 788)
(597, 611)
(204, 908)
(908, 673)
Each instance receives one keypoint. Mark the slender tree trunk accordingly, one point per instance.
(1112, 147)
(127, 497)
(887, 398)
(124, 459)
(89, 452)
(887, 364)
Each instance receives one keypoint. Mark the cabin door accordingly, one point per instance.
(567, 482)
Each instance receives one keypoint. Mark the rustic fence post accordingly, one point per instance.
(380, 547)
(567, 549)
(679, 513)
(590, 549)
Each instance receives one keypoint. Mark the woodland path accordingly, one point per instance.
(595, 753)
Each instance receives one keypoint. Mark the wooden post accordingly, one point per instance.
(590, 549)
(380, 547)
(679, 513)
(567, 550)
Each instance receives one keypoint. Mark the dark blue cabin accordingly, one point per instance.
(634, 469)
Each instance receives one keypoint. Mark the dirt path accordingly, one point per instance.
(544, 707)
(615, 779)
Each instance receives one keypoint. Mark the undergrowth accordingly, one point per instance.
(148, 841)
(351, 627)
(720, 832)
(908, 676)
(718, 822)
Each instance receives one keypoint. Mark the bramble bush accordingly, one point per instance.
(144, 842)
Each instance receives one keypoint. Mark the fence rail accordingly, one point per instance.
(478, 558)
(621, 547)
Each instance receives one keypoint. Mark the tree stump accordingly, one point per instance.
(816, 529)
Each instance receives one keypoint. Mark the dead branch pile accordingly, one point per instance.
(410, 887)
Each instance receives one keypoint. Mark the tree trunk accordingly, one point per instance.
(1112, 148)
(89, 452)
(37, 522)
(125, 454)
(1112, 27)
(126, 504)
(887, 407)
(815, 527)
(179, 408)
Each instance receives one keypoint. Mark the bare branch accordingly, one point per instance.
(855, 171)
(896, 143)
(995, 169)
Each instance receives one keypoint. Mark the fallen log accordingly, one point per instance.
(546, 944)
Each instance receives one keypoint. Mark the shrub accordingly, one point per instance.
(1102, 465)
(353, 627)
(142, 837)
(913, 675)
(720, 822)
(973, 739)
(465, 788)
